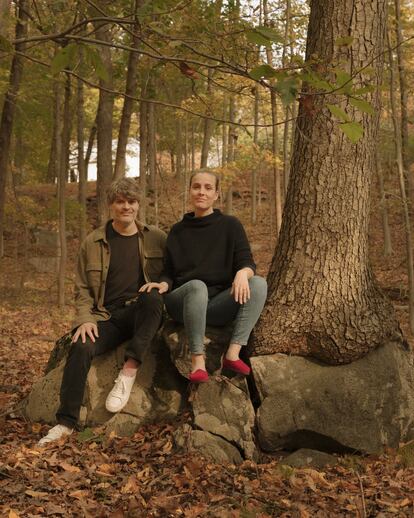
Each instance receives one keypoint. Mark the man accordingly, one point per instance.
(114, 261)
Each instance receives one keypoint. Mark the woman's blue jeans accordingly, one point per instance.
(190, 305)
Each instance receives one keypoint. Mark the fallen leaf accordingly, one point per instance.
(69, 467)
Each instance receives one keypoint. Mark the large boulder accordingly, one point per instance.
(224, 409)
(362, 406)
(206, 444)
(158, 392)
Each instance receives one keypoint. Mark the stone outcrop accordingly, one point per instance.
(362, 406)
(158, 393)
(305, 458)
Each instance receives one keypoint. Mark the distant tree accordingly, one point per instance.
(323, 300)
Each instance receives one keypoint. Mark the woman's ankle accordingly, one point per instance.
(198, 361)
(233, 352)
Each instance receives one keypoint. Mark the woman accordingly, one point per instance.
(209, 274)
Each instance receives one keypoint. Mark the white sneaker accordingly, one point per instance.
(55, 433)
(119, 395)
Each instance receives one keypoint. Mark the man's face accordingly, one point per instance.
(124, 210)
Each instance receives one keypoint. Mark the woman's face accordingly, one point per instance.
(203, 193)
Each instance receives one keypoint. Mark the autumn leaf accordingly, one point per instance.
(188, 71)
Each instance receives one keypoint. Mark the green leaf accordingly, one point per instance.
(314, 80)
(345, 40)
(60, 60)
(270, 33)
(98, 66)
(258, 39)
(343, 81)
(353, 130)
(338, 112)
(364, 90)
(262, 71)
(287, 90)
(363, 106)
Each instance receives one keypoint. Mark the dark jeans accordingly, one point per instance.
(138, 322)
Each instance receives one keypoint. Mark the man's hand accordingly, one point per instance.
(240, 288)
(87, 329)
(162, 287)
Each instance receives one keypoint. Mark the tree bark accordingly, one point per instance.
(232, 137)
(383, 208)
(82, 171)
(130, 91)
(323, 300)
(208, 127)
(398, 137)
(402, 73)
(253, 214)
(143, 155)
(104, 126)
(9, 108)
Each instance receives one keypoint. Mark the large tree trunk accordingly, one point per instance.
(323, 300)
(9, 108)
(104, 126)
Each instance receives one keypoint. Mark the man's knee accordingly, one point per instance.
(80, 349)
(152, 299)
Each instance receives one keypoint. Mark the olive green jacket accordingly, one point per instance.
(93, 265)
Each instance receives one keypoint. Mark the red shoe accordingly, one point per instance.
(198, 376)
(236, 366)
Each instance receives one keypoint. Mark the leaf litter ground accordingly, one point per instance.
(93, 475)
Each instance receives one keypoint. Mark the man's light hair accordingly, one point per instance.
(124, 187)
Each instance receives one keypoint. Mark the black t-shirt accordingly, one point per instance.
(125, 275)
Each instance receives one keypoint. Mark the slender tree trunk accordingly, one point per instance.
(81, 160)
(143, 156)
(323, 300)
(402, 181)
(232, 137)
(104, 125)
(67, 127)
(9, 108)
(402, 75)
(208, 128)
(91, 140)
(130, 90)
(286, 164)
(179, 148)
(152, 159)
(383, 207)
(185, 175)
(253, 214)
(61, 177)
(275, 143)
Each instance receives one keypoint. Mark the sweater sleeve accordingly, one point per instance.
(243, 257)
(167, 274)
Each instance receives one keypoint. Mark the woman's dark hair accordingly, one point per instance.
(208, 171)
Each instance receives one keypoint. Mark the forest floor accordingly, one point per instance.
(93, 475)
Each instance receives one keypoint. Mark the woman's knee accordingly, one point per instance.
(197, 289)
(258, 287)
(81, 349)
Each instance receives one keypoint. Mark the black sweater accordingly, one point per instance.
(211, 249)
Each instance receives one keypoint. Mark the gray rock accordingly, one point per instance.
(305, 458)
(216, 342)
(362, 406)
(207, 445)
(158, 392)
(44, 264)
(224, 409)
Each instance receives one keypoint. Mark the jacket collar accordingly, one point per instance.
(99, 234)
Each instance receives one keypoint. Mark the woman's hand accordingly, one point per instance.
(240, 288)
(162, 287)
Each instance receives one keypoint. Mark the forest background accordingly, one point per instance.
(196, 83)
